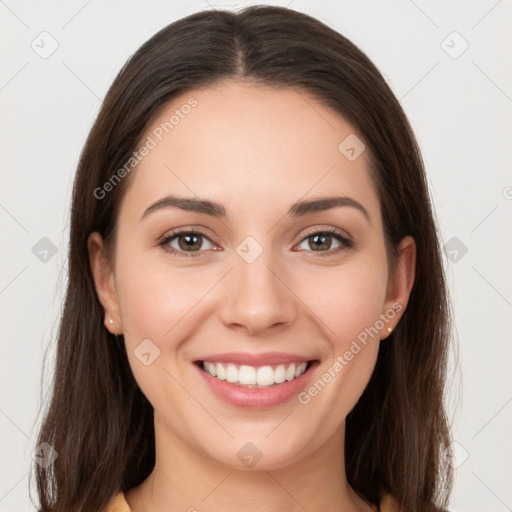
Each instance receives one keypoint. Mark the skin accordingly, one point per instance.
(256, 150)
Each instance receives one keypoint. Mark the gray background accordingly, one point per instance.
(459, 103)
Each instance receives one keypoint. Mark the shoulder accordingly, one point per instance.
(118, 504)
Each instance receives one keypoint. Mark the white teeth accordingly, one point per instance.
(232, 373)
(247, 375)
(280, 374)
(300, 369)
(265, 376)
(251, 376)
(220, 371)
(212, 369)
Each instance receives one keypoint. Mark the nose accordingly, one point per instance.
(257, 297)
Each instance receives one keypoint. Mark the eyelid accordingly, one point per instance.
(330, 230)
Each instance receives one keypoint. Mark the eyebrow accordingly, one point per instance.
(217, 210)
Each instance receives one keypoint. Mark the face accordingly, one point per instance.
(254, 331)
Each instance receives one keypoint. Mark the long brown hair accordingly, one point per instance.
(98, 420)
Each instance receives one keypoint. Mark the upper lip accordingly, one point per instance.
(251, 359)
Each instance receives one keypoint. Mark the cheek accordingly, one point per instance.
(350, 299)
(154, 298)
(158, 308)
(350, 307)
(165, 306)
(350, 310)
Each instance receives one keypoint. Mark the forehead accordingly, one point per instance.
(250, 146)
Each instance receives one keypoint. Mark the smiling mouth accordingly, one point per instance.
(259, 377)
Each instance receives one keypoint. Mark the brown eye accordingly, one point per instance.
(319, 242)
(322, 242)
(189, 243)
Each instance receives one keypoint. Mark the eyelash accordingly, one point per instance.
(345, 242)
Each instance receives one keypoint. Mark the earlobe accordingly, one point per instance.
(400, 283)
(104, 283)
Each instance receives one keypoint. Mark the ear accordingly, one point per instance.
(400, 284)
(104, 282)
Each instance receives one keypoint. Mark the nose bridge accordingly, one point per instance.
(257, 298)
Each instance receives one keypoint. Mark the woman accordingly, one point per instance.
(250, 220)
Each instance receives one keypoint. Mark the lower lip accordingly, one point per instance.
(257, 398)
